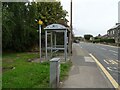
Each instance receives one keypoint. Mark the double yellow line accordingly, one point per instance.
(114, 83)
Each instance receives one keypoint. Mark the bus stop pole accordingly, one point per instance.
(40, 40)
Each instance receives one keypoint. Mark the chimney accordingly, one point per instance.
(117, 23)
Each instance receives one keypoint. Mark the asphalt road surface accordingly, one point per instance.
(108, 56)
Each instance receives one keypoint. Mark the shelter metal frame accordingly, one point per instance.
(52, 30)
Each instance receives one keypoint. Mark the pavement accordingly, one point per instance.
(85, 73)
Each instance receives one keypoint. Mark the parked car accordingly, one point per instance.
(76, 41)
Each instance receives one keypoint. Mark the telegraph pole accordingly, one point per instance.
(70, 36)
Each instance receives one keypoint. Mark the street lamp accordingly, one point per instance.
(40, 23)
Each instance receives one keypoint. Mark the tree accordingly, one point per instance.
(99, 35)
(19, 27)
(18, 31)
(87, 36)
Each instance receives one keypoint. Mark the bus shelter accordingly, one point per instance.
(52, 30)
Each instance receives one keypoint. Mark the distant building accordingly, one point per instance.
(105, 36)
(114, 33)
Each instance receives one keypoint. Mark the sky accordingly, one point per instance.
(92, 16)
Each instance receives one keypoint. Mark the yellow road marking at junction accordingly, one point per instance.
(114, 83)
(110, 61)
(113, 62)
(117, 61)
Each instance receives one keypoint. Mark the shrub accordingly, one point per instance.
(104, 40)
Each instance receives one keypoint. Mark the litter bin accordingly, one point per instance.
(54, 72)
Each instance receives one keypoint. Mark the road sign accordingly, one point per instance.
(40, 22)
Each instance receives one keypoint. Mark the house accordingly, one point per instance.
(114, 33)
(104, 36)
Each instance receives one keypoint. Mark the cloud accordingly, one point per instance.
(93, 16)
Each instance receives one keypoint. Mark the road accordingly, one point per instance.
(107, 56)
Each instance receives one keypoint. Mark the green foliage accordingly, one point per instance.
(18, 33)
(64, 70)
(19, 29)
(96, 41)
(87, 36)
(110, 40)
(104, 40)
(96, 37)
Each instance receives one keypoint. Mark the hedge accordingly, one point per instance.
(104, 40)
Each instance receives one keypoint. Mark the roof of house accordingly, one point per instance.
(105, 35)
(114, 27)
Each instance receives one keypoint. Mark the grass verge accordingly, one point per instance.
(18, 73)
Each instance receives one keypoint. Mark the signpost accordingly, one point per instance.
(40, 23)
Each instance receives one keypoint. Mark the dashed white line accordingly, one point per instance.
(114, 69)
(106, 61)
(115, 54)
(103, 48)
(113, 51)
(109, 69)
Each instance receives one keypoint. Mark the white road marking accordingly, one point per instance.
(113, 51)
(88, 59)
(110, 61)
(113, 69)
(115, 54)
(109, 46)
(117, 61)
(103, 48)
(112, 80)
(109, 69)
(106, 61)
(113, 62)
